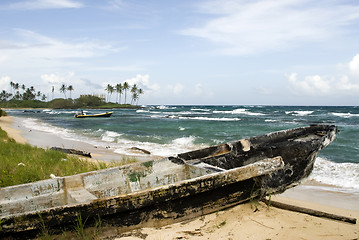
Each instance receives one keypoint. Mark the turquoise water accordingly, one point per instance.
(168, 130)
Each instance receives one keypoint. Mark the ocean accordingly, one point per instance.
(168, 130)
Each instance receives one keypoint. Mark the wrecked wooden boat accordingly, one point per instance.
(172, 189)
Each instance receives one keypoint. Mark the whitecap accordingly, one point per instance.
(211, 119)
(345, 175)
(201, 109)
(299, 113)
(270, 120)
(110, 136)
(242, 111)
(345, 115)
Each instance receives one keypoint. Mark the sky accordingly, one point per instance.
(204, 52)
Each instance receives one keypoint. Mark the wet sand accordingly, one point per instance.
(239, 222)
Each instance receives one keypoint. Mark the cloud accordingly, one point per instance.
(5, 83)
(117, 4)
(55, 79)
(33, 51)
(314, 85)
(354, 65)
(249, 27)
(310, 85)
(45, 4)
(175, 89)
(89, 83)
(143, 81)
(40, 46)
(198, 89)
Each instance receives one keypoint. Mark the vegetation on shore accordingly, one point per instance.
(23, 163)
(83, 102)
(22, 97)
(2, 113)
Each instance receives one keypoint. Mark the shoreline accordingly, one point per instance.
(273, 224)
(16, 130)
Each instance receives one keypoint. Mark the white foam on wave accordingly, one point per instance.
(211, 119)
(187, 113)
(36, 124)
(201, 109)
(179, 145)
(165, 107)
(242, 111)
(299, 113)
(184, 140)
(142, 111)
(345, 115)
(110, 136)
(344, 175)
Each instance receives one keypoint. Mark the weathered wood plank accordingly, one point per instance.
(309, 211)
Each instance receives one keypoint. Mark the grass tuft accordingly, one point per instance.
(23, 163)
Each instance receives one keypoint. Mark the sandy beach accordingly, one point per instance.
(239, 222)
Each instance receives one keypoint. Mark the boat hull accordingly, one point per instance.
(100, 115)
(171, 189)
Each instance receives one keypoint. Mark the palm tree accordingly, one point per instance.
(134, 93)
(140, 92)
(63, 89)
(12, 84)
(126, 87)
(119, 90)
(23, 89)
(134, 97)
(38, 94)
(70, 88)
(4, 95)
(16, 86)
(110, 89)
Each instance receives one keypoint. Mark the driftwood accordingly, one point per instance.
(141, 150)
(72, 151)
(309, 211)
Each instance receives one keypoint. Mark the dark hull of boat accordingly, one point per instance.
(176, 188)
(100, 115)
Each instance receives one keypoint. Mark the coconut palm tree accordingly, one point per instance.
(134, 97)
(139, 92)
(134, 93)
(110, 89)
(12, 84)
(17, 86)
(63, 89)
(70, 88)
(119, 90)
(126, 87)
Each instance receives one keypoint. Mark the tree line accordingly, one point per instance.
(20, 92)
(121, 89)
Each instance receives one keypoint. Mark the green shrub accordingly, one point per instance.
(60, 103)
(85, 101)
(23, 163)
(2, 113)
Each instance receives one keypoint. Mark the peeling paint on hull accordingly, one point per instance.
(170, 189)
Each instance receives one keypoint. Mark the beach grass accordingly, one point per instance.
(23, 163)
